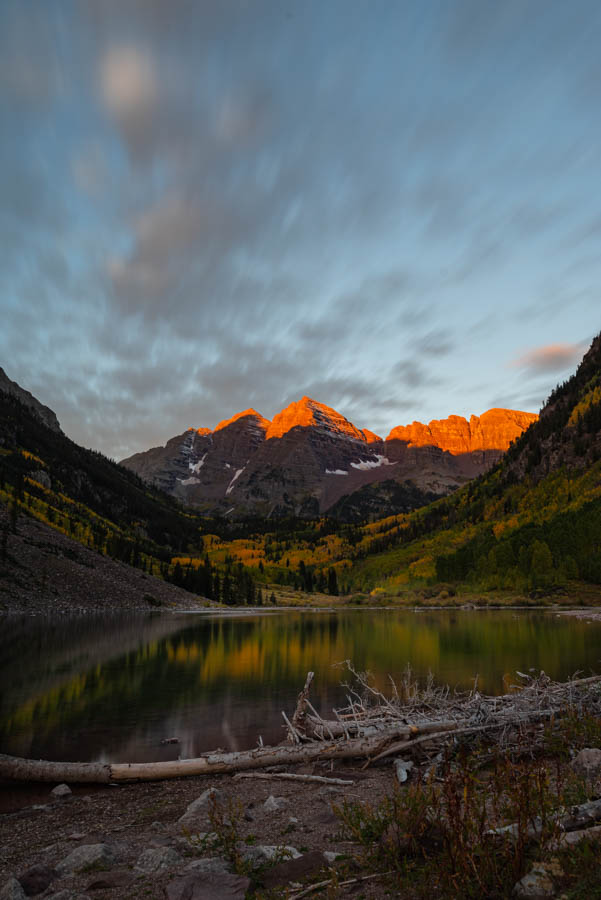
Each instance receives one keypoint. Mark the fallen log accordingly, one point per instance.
(16, 769)
(211, 764)
(358, 731)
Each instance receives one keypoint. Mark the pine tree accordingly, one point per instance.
(332, 583)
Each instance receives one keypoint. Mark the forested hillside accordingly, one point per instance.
(532, 524)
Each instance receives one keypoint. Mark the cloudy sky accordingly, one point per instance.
(207, 205)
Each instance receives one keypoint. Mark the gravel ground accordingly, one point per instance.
(138, 817)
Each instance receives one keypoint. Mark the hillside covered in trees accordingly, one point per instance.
(531, 525)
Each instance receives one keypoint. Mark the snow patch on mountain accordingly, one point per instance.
(336, 472)
(366, 464)
(197, 466)
(230, 486)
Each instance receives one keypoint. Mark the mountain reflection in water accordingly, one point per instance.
(112, 687)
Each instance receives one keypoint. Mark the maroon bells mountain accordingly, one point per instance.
(309, 457)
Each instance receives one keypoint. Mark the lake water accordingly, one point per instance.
(112, 687)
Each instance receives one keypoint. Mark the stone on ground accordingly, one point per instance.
(68, 895)
(62, 791)
(211, 865)
(88, 856)
(273, 804)
(208, 887)
(305, 866)
(198, 811)
(588, 762)
(262, 853)
(538, 883)
(157, 859)
(118, 878)
(36, 879)
(12, 890)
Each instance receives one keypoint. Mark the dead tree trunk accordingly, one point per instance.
(211, 764)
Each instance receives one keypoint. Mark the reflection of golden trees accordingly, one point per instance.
(279, 650)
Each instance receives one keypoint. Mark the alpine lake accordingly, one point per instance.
(143, 687)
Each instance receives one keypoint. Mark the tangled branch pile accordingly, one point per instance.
(413, 720)
(422, 720)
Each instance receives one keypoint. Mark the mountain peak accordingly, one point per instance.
(308, 412)
(259, 420)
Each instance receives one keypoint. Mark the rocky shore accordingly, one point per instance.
(206, 837)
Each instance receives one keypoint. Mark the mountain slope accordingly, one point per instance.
(531, 524)
(41, 412)
(310, 456)
(43, 570)
(79, 497)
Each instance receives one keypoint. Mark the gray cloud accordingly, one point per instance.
(207, 206)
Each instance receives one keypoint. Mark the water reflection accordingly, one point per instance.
(113, 687)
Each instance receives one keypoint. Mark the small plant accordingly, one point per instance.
(444, 839)
(225, 822)
(573, 731)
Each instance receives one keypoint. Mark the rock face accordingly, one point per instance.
(310, 456)
(494, 430)
(42, 412)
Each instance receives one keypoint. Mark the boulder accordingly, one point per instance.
(197, 812)
(210, 865)
(588, 763)
(110, 881)
(538, 883)
(68, 895)
(157, 859)
(261, 853)
(208, 887)
(305, 866)
(36, 879)
(274, 804)
(12, 890)
(88, 856)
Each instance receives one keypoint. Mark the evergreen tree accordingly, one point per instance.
(332, 583)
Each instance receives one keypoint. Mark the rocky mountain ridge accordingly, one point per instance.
(43, 413)
(309, 456)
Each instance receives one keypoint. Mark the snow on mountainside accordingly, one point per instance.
(291, 465)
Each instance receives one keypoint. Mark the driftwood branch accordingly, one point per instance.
(288, 776)
(321, 884)
(298, 719)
